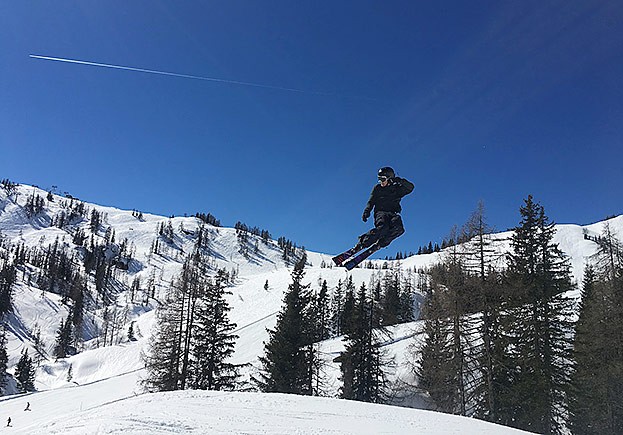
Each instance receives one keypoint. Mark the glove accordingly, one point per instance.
(366, 215)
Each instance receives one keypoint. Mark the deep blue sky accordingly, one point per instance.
(490, 100)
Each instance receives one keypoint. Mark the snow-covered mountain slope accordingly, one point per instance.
(254, 305)
(261, 277)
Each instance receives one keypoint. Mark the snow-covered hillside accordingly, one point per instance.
(98, 397)
(254, 306)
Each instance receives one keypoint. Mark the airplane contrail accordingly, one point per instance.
(186, 76)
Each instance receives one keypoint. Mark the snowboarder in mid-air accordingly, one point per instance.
(385, 201)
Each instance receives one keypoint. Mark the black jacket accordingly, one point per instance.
(388, 198)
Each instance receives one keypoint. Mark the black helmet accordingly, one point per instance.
(386, 172)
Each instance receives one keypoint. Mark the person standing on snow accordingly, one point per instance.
(385, 201)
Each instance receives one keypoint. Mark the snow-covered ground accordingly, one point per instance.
(108, 407)
(103, 395)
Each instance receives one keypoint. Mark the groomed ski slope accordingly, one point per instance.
(108, 407)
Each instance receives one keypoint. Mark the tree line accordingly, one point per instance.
(292, 360)
(194, 337)
(503, 344)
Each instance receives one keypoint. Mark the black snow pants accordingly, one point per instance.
(387, 227)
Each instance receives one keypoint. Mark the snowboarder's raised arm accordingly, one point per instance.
(406, 187)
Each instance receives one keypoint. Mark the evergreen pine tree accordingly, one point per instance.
(4, 360)
(407, 299)
(131, 336)
(96, 221)
(25, 373)
(64, 339)
(39, 346)
(322, 313)
(337, 304)
(318, 319)
(7, 279)
(363, 363)
(433, 372)
(589, 386)
(391, 304)
(284, 364)
(450, 375)
(347, 315)
(213, 339)
(537, 328)
(596, 406)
